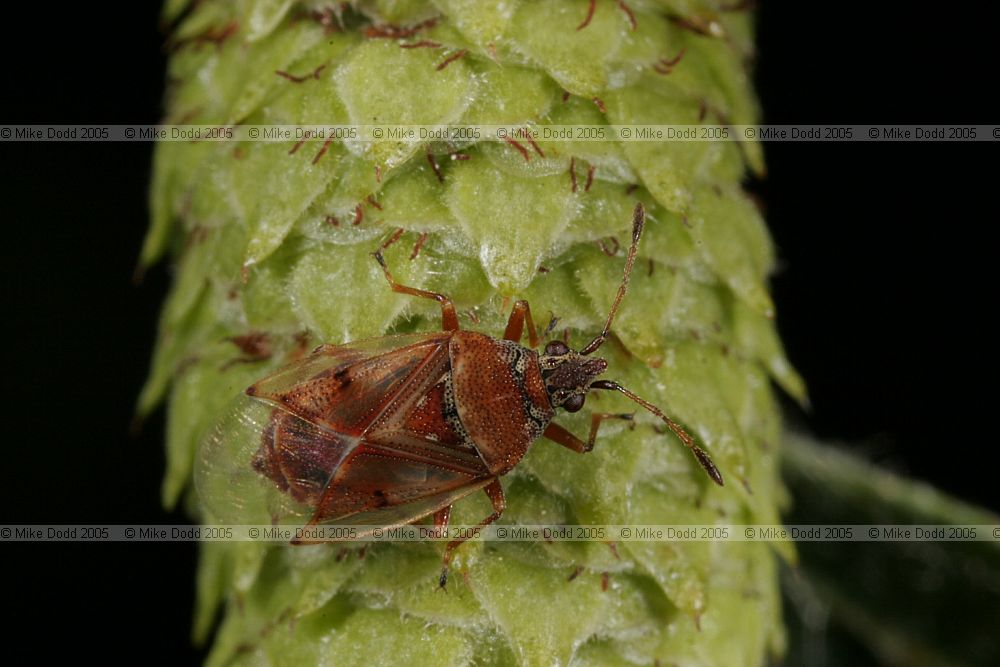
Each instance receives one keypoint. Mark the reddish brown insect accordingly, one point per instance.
(387, 431)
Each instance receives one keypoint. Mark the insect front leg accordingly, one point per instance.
(449, 316)
(561, 436)
(495, 493)
(520, 314)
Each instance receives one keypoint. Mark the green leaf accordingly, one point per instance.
(509, 249)
(264, 16)
(576, 59)
(383, 637)
(730, 233)
(482, 24)
(541, 633)
(381, 83)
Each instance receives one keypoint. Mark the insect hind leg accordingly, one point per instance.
(495, 492)
(449, 316)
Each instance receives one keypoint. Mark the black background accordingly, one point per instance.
(882, 295)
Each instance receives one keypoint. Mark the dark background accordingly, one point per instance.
(882, 295)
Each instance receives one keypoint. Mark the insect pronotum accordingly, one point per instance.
(386, 431)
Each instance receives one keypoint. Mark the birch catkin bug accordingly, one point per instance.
(387, 431)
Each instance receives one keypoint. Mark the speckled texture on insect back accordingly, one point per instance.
(500, 397)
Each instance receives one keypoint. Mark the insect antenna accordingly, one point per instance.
(638, 222)
(703, 458)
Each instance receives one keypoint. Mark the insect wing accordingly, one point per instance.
(343, 388)
(398, 515)
(271, 457)
(232, 489)
(374, 477)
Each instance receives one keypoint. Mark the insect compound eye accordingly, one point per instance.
(573, 403)
(556, 348)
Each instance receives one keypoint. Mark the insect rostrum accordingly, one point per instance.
(387, 431)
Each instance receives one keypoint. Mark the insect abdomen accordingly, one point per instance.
(300, 457)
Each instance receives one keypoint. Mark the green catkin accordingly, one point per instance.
(265, 244)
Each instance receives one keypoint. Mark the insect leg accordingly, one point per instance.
(561, 436)
(441, 519)
(515, 324)
(703, 458)
(449, 316)
(495, 493)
